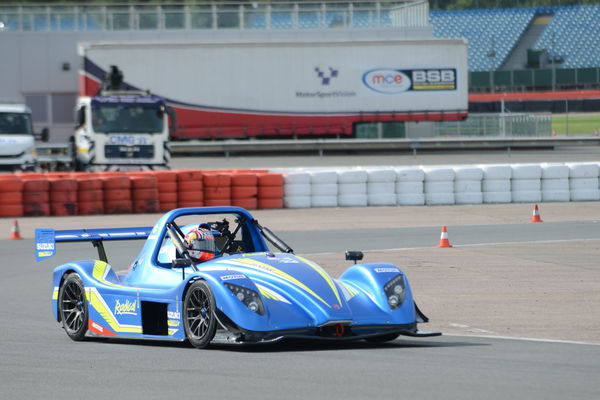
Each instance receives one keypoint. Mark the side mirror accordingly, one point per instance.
(172, 118)
(80, 116)
(354, 255)
(181, 263)
(45, 135)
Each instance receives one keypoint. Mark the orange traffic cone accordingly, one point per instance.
(536, 215)
(444, 242)
(15, 233)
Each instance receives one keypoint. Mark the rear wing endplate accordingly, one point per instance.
(46, 239)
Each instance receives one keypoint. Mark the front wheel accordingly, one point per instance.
(73, 307)
(199, 318)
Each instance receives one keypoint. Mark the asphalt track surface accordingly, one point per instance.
(39, 361)
(442, 157)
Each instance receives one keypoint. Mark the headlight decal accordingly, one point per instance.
(248, 297)
(270, 294)
(395, 291)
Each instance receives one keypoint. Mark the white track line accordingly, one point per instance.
(525, 339)
(462, 245)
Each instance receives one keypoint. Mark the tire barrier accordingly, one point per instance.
(324, 189)
(63, 196)
(190, 191)
(352, 188)
(90, 194)
(555, 183)
(495, 185)
(381, 187)
(166, 183)
(144, 194)
(94, 193)
(297, 190)
(244, 190)
(117, 193)
(36, 196)
(43, 194)
(409, 187)
(467, 185)
(11, 196)
(270, 190)
(583, 179)
(217, 189)
(441, 185)
(526, 184)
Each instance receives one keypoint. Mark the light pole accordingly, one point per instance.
(492, 56)
(552, 61)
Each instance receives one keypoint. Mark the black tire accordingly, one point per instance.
(383, 338)
(199, 320)
(73, 307)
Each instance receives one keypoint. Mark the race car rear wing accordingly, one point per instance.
(46, 239)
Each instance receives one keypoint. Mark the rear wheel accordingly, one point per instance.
(73, 307)
(383, 338)
(199, 314)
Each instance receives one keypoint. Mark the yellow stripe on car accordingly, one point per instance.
(270, 294)
(349, 288)
(324, 275)
(100, 272)
(260, 265)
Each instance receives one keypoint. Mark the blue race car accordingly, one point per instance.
(245, 294)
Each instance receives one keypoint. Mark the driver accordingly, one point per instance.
(200, 244)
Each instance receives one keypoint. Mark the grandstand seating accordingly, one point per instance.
(573, 35)
(492, 33)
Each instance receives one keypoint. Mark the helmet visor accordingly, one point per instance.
(203, 245)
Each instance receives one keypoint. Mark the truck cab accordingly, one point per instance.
(122, 130)
(17, 139)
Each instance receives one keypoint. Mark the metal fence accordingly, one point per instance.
(497, 125)
(213, 15)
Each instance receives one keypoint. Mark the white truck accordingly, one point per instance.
(121, 128)
(238, 89)
(17, 139)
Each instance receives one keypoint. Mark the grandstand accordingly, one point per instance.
(570, 40)
(492, 33)
(573, 35)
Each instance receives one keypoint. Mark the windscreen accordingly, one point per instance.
(15, 123)
(224, 231)
(127, 118)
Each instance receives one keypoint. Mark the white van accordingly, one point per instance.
(17, 139)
